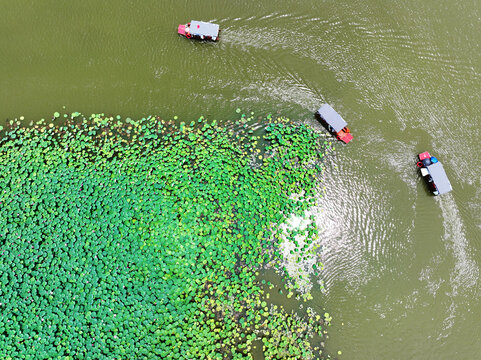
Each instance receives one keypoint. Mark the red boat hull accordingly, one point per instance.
(344, 135)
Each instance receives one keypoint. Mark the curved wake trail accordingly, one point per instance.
(466, 271)
(465, 275)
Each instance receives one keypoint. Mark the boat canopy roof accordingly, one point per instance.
(329, 115)
(199, 28)
(439, 177)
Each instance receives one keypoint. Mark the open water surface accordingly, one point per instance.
(402, 268)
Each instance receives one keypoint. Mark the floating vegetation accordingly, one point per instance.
(140, 239)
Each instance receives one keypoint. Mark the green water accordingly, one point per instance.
(402, 267)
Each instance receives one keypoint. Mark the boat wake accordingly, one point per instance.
(466, 271)
(465, 275)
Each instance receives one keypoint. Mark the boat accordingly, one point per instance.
(334, 123)
(432, 170)
(199, 30)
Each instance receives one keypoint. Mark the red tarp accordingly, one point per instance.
(346, 137)
(181, 30)
(424, 155)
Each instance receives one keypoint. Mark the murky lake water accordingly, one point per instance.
(401, 267)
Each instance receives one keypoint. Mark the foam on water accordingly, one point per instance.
(298, 265)
(465, 275)
(361, 233)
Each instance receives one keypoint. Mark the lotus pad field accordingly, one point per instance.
(140, 239)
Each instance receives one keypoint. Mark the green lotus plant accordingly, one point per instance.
(140, 239)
